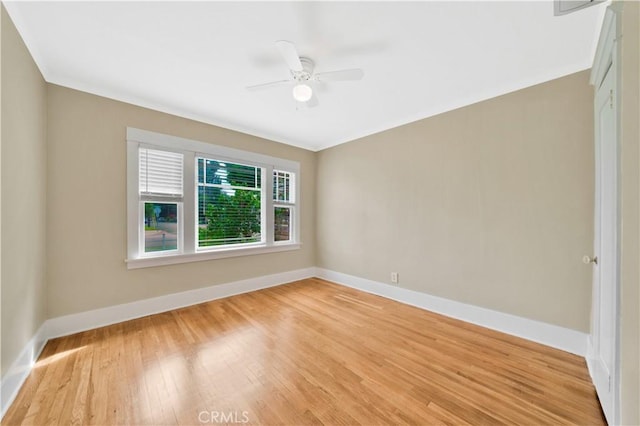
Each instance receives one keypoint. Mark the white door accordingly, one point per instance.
(603, 362)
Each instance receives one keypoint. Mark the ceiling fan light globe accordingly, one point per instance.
(302, 92)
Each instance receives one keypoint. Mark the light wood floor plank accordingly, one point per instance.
(310, 352)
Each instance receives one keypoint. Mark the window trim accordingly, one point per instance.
(191, 149)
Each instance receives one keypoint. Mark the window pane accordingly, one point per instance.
(200, 170)
(160, 172)
(228, 216)
(239, 175)
(160, 227)
(211, 172)
(282, 186)
(282, 224)
(216, 172)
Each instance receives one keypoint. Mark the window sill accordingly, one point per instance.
(147, 262)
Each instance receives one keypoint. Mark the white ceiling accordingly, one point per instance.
(194, 59)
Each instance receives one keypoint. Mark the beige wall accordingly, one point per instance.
(491, 204)
(86, 209)
(23, 195)
(630, 175)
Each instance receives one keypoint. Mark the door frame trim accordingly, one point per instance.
(606, 57)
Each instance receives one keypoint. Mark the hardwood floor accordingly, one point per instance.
(310, 352)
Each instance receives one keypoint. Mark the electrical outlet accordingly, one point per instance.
(394, 277)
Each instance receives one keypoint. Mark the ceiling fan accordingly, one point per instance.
(303, 76)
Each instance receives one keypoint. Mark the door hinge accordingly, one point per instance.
(609, 383)
(611, 98)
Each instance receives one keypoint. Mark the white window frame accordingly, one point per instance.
(290, 204)
(164, 199)
(188, 245)
(262, 206)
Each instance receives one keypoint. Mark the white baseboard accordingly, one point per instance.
(19, 371)
(551, 335)
(75, 323)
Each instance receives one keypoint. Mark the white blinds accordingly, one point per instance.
(160, 172)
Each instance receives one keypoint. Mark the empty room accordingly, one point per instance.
(320, 212)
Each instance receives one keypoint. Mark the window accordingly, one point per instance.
(161, 189)
(190, 200)
(229, 203)
(283, 203)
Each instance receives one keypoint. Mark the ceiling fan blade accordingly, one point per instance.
(290, 54)
(267, 85)
(342, 75)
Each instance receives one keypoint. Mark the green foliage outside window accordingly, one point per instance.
(232, 218)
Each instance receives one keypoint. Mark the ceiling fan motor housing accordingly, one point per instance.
(307, 70)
